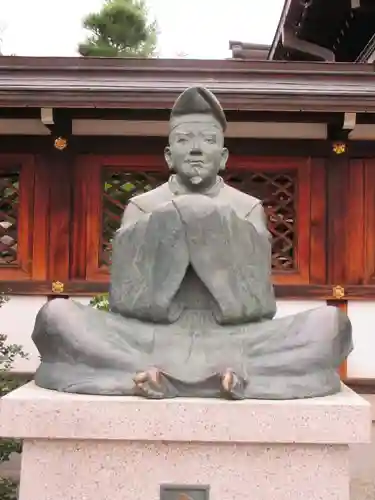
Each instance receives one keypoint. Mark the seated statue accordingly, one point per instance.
(192, 304)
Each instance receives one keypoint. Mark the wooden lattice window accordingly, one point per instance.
(9, 216)
(16, 216)
(118, 187)
(283, 186)
(277, 190)
(103, 187)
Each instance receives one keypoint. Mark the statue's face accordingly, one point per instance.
(196, 151)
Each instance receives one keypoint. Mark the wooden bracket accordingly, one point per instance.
(59, 123)
(292, 42)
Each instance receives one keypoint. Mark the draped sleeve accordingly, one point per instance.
(149, 262)
(231, 254)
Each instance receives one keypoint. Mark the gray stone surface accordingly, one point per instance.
(191, 298)
(362, 465)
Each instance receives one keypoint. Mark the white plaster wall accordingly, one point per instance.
(361, 362)
(287, 307)
(17, 318)
(83, 300)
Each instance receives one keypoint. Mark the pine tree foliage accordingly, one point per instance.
(120, 29)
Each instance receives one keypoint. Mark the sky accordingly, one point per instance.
(197, 28)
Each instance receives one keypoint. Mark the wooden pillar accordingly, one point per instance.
(337, 201)
(338, 204)
(343, 306)
(57, 163)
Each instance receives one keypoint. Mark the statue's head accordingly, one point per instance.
(196, 151)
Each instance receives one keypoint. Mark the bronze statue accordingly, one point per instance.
(191, 297)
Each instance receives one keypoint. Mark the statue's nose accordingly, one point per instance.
(196, 150)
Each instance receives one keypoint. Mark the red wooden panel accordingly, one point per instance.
(355, 230)
(369, 221)
(104, 183)
(318, 260)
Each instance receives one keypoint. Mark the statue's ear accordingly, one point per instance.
(224, 158)
(168, 157)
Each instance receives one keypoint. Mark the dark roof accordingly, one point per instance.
(344, 27)
(155, 83)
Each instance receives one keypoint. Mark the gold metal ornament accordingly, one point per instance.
(60, 143)
(338, 292)
(57, 287)
(339, 148)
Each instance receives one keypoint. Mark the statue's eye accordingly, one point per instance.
(181, 139)
(210, 140)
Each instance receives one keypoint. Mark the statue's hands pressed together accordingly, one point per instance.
(197, 206)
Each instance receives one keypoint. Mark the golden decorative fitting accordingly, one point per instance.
(339, 148)
(57, 287)
(338, 292)
(60, 143)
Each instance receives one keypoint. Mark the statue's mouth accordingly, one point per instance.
(196, 162)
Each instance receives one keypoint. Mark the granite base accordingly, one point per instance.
(80, 447)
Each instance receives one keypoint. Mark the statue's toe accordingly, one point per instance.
(152, 375)
(149, 384)
(227, 380)
(232, 385)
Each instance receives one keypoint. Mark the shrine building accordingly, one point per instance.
(80, 136)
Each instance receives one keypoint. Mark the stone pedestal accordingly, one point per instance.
(115, 448)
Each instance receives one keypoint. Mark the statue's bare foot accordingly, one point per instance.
(149, 384)
(232, 385)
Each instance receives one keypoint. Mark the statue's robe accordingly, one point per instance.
(191, 295)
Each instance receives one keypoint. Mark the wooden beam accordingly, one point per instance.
(163, 115)
(155, 145)
(286, 292)
(292, 42)
(361, 385)
(158, 128)
(363, 6)
(155, 84)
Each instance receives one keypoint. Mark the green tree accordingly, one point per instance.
(120, 29)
